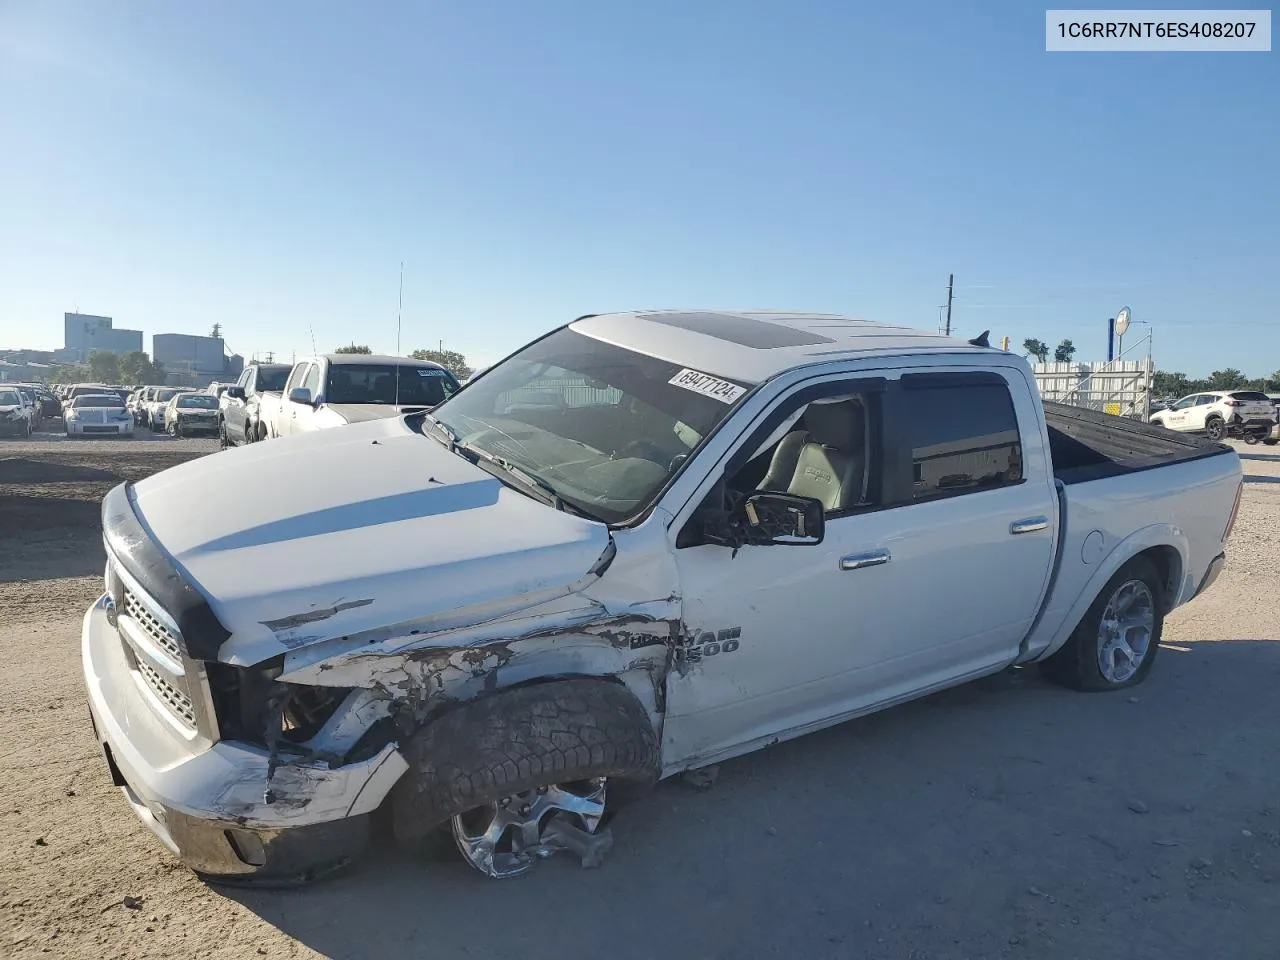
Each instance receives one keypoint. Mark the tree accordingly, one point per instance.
(1036, 348)
(1170, 384)
(353, 348)
(104, 367)
(216, 331)
(136, 367)
(451, 360)
(1228, 379)
(1064, 351)
(70, 374)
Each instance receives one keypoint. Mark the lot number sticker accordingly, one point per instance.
(708, 386)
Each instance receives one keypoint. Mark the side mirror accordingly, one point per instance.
(300, 395)
(780, 518)
(235, 393)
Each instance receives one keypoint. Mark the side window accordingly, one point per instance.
(296, 378)
(821, 449)
(963, 437)
(312, 382)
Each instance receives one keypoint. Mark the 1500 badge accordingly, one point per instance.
(698, 645)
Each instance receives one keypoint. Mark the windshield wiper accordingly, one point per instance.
(444, 429)
(532, 480)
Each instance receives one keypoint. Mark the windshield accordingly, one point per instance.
(273, 378)
(376, 383)
(97, 400)
(164, 396)
(605, 427)
(200, 401)
(10, 398)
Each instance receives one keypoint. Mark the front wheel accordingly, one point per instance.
(1115, 643)
(1216, 428)
(521, 774)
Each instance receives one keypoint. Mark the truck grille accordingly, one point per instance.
(157, 631)
(179, 703)
(155, 651)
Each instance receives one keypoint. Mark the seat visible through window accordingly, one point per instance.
(826, 459)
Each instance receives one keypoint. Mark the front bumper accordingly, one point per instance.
(13, 428)
(198, 426)
(116, 428)
(222, 807)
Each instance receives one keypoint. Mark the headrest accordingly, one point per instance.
(840, 425)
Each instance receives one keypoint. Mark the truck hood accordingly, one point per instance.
(360, 412)
(335, 532)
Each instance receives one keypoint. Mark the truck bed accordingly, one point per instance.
(1088, 445)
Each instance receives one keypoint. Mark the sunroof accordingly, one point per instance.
(744, 331)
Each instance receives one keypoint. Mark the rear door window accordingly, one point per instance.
(963, 434)
(1250, 396)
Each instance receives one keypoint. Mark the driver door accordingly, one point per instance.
(1176, 418)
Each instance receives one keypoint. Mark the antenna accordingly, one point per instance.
(314, 351)
(399, 312)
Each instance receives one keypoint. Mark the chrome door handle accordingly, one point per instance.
(1030, 525)
(858, 561)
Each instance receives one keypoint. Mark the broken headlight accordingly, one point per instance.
(252, 705)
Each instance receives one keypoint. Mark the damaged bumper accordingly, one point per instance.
(222, 807)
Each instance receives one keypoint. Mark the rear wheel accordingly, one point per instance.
(519, 775)
(1116, 641)
(1270, 441)
(1216, 428)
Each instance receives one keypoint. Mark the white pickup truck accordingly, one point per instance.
(340, 388)
(640, 545)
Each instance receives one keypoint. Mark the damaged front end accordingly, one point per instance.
(268, 772)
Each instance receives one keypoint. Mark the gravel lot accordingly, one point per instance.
(1006, 818)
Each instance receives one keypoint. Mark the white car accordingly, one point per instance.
(157, 404)
(1219, 414)
(16, 414)
(640, 545)
(98, 414)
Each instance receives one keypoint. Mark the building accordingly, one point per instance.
(83, 333)
(194, 360)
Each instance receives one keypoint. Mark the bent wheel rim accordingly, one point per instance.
(503, 838)
(1124, 635)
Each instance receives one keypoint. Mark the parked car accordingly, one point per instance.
(240, 402)
(16, 414)
(496, 619)
(339, 388)
(138, 405)
(49, 405)
(92, 414)
(156, 404)
(190, 413)
(35, 409)
(82, 389)
(1222, 413)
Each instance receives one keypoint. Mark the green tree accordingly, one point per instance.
(353, 348)
(451, 360)
(1170, 384)
(70, 374)
(1064, 351)
(136, 367)
(1036, 348)
(1228, 379)
(104, 367)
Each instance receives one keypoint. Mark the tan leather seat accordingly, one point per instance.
(825, 461)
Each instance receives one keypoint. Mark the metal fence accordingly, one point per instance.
(1121, 387)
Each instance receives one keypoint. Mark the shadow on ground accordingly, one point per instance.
(1006, 817)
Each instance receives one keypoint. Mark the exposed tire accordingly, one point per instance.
(1216, 428)
(223, 441)
(519, 740)
(1079, 663)
(1269, 441)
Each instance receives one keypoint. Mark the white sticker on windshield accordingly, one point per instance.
(430, 372)
(707, 385)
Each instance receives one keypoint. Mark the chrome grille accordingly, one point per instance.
(179, 703)
(157, 631)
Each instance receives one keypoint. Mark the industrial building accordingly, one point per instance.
(84, 333)
(194, 358)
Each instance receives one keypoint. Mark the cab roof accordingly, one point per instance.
(752, 346)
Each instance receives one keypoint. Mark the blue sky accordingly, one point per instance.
(269, 165)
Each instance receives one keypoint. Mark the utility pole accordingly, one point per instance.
(951, 278)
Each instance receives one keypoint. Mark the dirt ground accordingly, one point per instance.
(1006, 818)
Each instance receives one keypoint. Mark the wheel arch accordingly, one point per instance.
(1165, 545)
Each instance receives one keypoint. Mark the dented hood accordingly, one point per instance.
(334, 532)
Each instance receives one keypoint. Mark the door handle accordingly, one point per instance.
(1030, 525)
(858, 561)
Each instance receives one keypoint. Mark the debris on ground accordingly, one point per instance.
(704, 778)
